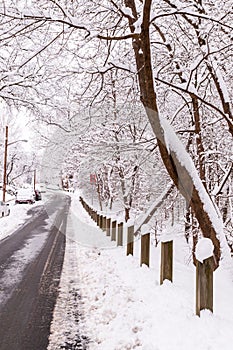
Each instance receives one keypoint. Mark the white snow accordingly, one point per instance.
(121, 306)
(155, 205)
(10, 223)
(168, 234)
(204, 249)
(137, 25)
(145, 229)
(18, 215)
(127, 11)
(175, 145)
(130, 222)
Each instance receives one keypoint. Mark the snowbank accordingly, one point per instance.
(18, 215)
(121, 306)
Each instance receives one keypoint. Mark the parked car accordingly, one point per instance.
(4, 209)
(25, 195)
(41, 187)
(38, 195)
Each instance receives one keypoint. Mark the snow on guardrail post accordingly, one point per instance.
(130, 238)
(204, 275)
(113, 233)
(166, 267)
(108, 226)
(120, 234)
(145, 245)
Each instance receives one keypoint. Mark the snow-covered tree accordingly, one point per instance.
(179, 54)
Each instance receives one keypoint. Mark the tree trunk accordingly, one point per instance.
(188, 225)
(127, 217)
(199, 143)
(177, 170)
(99, 194)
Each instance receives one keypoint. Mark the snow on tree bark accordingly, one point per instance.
(186, 182)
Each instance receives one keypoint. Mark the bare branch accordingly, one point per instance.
(192, 14)
(41, 50)
(191, 93)
(122, 37)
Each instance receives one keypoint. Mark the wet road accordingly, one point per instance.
(30, 267)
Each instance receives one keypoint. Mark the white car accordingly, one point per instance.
(42, 187)
(25, 195)
(4, 209)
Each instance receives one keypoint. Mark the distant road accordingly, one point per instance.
(30, 266)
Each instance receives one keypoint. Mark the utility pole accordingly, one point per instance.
(34, 179)
(5, 167)
(5, 163)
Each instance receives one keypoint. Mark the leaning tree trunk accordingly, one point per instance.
(177, 169)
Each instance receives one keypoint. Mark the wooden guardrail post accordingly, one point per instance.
(108, 226)
(81, 200)
(130, 240)
(145, 245)
(113, 233)
(204, 285)
(120, 234)
(166, 267)
(101, 221)
(204, 275)
(95, 215)
(104, 228)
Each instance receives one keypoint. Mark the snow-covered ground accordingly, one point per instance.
(18, 215)
(107, 299)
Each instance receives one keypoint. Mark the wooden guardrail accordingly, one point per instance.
(115, 230)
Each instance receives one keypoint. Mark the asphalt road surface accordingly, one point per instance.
(30, 267)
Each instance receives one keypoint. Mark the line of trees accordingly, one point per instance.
(118, 65)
